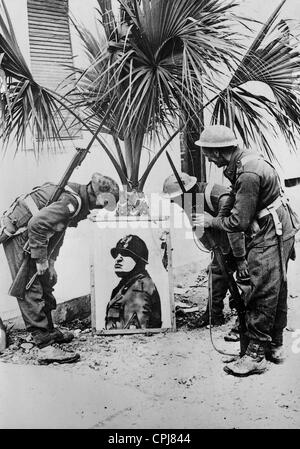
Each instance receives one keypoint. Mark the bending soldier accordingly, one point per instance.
(44, 227)
(256, 195)
(232, 245)
(135, 302)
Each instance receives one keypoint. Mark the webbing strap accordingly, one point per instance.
(30, 203)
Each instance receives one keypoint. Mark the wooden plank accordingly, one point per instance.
(48, 13)
(59, 3)
(148, 331)
(48, 5)
(60, 59)
(50, 46)
(48, 18)
(49, 9)
(44, 25)
(55, 38)
(50, 50)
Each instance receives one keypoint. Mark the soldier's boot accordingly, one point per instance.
(203, 321)
(45, 338)
(253, 362)
(58, 335)
(275, 354)
(51, 354)
(62, 335)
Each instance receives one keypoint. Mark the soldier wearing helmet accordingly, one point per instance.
(256, 196)
(30, 219)
(135, 302)
(232, 245)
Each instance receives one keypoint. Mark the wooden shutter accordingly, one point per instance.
(50, 47)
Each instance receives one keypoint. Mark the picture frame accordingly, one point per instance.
(141, 300)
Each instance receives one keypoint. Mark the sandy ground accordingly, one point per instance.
(183, 368)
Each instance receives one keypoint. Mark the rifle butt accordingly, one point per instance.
(18, 285)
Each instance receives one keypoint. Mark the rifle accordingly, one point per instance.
(232, 285)
(20, 282)
(233, 288)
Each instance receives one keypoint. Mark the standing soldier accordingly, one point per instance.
(256, 195)
(44, 227)
(232, 245)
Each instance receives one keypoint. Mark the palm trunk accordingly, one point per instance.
(192, 159)
(128, 156)
(137, 144)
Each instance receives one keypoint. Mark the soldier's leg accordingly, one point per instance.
(32, 304)
(265, 275)
(264, 270)
(217, 289)
(275, 351)
(38, 301)
(219, 286)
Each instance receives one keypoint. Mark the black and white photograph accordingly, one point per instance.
(150, 217)
(131, 279)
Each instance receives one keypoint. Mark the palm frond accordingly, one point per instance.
(271, 60)
(158, 67)
(25, 105)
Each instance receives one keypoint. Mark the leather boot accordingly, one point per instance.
(275, 354)
(203, 321)
(253, 362)
(51, 354)
(42, 338)
(61, 335)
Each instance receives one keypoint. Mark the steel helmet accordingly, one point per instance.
(132, 246)
(171, 187)
(217, 136)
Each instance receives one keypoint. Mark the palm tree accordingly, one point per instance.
(160, 64)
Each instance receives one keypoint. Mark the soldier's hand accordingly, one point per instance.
(52, 272)
(242, 269)
(42, 266)
(202, 220)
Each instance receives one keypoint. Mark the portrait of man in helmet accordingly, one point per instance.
(135, 301)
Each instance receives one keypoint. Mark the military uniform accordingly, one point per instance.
(232, 246)
(44, 227)
(134, 304)
(256, 195)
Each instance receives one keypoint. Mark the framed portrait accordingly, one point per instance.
(131, 275)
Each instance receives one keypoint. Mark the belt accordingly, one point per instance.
(271, 209)
(266, 211)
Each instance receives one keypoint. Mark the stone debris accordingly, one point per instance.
(27, 346)
(76, 333)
